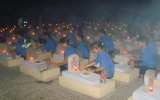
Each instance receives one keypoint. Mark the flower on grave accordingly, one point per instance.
(27, 43)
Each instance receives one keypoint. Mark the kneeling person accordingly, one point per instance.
(103, 59)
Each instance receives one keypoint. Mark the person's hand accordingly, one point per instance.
(90, 70)
(129, 61)
(81, 67)
(132, 63)
(55, 64)
(80, 55)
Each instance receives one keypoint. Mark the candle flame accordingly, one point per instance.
(31, 58)
(124, 52)
(13, 38)
(151, 89)
(118, 40)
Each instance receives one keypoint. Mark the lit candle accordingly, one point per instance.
(33, 33)
(117, 40)
(75, 68)
(31, 58)
(64, 35)
(4, 51)
(88, 37)
(9, 43)
(151, 89)
(13, 38)
(137, 36)
(124, 52)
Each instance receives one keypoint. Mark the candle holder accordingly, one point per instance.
(13, 53)
(31, 56)
(103, 76)
(123, 49)
(49, 63)
(3, 48)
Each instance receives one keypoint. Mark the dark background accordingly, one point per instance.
(63, 10)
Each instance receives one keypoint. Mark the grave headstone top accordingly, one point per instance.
(73, 63)
(148, 81)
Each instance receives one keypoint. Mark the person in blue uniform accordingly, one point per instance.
(69, 50)
(19, 49)
(147, 59)
(107, 41)
(83, 51)
(50, 45)
(103, 59)
(152, 44)
(70, 36)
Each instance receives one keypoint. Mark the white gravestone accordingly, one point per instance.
(73, 63)
(140, 95)
(81, 76)
(148, 80)
(36, 64)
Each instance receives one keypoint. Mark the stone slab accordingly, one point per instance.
(92, 79)
(11, 62)
(97, 91)
(44, 76)
(140, 95)
(127, 76)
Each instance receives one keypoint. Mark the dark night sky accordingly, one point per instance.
(9, 7)
(13, 9)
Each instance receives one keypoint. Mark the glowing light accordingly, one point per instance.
(75, 68)
(31, 58)
(151, 89)
(62, 51)
(9, 43)
(88, 37)
(13, 38)
(117, 40)
(128, 37)
(124, 52)
(64, 35)
(137, 36)
(4, 51)
(33, 33)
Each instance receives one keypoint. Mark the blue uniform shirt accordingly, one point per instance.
(153, 47)
(83, 50)
(19, 49)
(72, 38)
(69, 51)
(105, 61)
(148, 58)
(107, 41)
(50, 45)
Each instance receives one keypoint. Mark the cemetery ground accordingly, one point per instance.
(15, 85)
